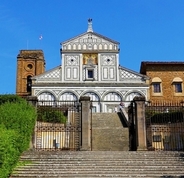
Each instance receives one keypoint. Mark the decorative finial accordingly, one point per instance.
(90, 29)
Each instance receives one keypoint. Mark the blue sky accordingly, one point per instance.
(148, 30)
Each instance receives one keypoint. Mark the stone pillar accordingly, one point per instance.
(132, 133)
(140, 123)
(85, 123)
(32, 100)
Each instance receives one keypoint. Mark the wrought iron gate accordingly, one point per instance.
(165, 126)
(58, 126)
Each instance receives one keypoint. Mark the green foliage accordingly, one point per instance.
(9, 152)
(21, 117)
(150, 113)
(23, 163)
(10, 98)
(51, 115)
(17, 121)
(170, 117)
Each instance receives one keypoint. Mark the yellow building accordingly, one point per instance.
(165, 80)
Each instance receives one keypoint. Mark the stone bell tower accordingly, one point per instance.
(29, 64)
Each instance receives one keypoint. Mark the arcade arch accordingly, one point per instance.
(111, 100)
(96, 107)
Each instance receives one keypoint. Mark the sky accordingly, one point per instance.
(147, 30)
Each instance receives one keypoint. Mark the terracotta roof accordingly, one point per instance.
(144, 64)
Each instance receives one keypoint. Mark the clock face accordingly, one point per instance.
(90, 59)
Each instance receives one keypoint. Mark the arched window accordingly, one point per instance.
(46, 96)
(47, 99)
(95, 101)
(93, 96)
(177, 82)
(112, 96)
(156, 85)
(131, 96)
(29, 83)
(68, 96)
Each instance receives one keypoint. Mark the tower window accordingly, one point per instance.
(30, 66)
(29, 83)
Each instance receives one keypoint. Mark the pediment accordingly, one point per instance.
(48, 76)
(90, 41)
(127, 75)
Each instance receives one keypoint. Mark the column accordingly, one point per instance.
(140, 123)
(85, 123)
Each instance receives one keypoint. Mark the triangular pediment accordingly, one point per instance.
(127, 75)
(90, 41)
(48, 76)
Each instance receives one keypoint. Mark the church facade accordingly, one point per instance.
(90, 67)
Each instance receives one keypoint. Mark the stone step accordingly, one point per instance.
(101, 164)
(94, 176)
(99, 170)
(127, 175)
(125, 163)
(109, 163)
(102, 156)
(108, 133)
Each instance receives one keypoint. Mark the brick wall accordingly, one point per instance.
(166, 73)
(29, 63)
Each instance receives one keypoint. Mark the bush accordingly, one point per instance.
(51, 115)
(21, 117)
(10, 98)
(9, 152)
(17, 121)
(171, 117)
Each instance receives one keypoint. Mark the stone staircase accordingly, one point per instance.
(100, 164)
(109, 133)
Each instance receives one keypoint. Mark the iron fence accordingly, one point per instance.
(165, 126)
(58, 125)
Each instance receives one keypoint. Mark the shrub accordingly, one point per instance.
(21, 117)
(171, 117)
(51, 115)
(17, 121)
(9, 152)
(10, 98)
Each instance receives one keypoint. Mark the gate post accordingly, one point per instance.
(85, 123)
(140, 123)
(132, 131)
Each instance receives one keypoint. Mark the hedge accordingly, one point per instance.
(9, 152)
(17, 121)
(171, 117)
(10, 98)
(51, 115)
